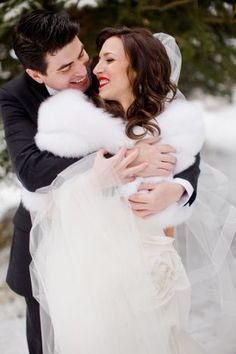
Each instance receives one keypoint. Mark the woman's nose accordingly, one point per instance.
(97, 69)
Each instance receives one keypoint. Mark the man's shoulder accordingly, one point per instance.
(23, 86)
(15, 85)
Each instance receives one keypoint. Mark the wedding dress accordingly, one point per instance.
(107, 282)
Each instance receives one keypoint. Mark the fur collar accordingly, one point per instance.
(69, 125)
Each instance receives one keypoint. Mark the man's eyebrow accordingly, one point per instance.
(64, 66)
(68, 64)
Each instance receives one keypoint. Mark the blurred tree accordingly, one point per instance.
(204, 30)
(5, 166)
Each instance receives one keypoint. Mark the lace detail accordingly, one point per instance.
(165, 267)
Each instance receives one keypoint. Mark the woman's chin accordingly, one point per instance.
(103, 95)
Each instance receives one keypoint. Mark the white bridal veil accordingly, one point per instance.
(207, 245)
(173, 53)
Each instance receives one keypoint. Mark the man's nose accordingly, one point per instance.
(81, 68)
(85, 58)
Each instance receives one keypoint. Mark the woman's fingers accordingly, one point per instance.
(121, 162)
(146, 187)
(132, 171)
(129, 158)
(118, 158)
(100, 153)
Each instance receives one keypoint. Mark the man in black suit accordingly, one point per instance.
(53, 57)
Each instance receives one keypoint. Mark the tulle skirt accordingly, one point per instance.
(108, 282)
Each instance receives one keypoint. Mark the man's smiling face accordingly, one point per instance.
(66, 68)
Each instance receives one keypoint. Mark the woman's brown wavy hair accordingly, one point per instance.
(151, 83)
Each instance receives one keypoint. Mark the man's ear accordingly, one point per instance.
(35, 75)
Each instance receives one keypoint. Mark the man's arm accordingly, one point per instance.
(34, 168)
(157, 198)
(191, 174)
(160, 196)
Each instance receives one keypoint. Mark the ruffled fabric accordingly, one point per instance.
(206, 244)
(104, 284)
(99, 272)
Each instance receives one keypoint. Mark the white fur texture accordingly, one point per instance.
(34, 201)
(71, 126)
(182, 127)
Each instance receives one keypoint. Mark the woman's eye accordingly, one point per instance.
(110, 60)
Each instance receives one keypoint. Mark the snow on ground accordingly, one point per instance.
(12, 314)
(219, 151)
(220, 129)
(12, 307)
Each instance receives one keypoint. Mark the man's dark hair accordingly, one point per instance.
(39, 33)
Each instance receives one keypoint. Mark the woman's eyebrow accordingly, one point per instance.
(105, 54)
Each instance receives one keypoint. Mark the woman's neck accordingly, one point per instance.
(126, 102)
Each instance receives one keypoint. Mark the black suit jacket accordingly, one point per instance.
(20, 100)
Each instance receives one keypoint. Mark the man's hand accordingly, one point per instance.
(159, 158)
(157, 198)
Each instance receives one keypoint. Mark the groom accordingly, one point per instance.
(54, 59)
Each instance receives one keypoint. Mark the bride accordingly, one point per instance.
(108, 281)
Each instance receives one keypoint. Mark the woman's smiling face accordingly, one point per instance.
(112, 73)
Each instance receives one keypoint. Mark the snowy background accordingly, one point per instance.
(219, 151)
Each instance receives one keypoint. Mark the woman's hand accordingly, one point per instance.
(157, 198)
(117, 170)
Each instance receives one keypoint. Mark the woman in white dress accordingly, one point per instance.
(106, 280)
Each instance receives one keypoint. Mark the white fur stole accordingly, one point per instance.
(69, 125)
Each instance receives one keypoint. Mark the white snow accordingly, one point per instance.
(87, 2)
(220, 123)
(80, 4)
(12, 314)
(9, 196)
(16, 11)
